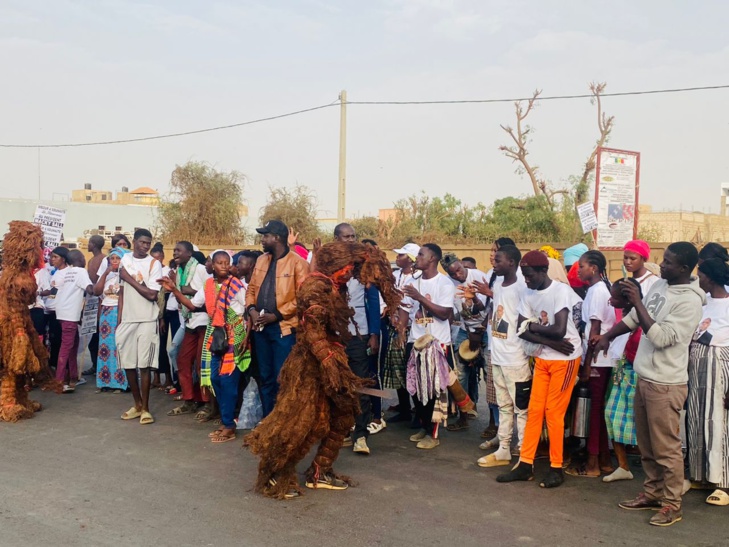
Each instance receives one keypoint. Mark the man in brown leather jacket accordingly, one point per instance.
(271, 303)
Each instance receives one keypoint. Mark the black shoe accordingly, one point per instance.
(89, 372)
(522, 472)
(553, 479)
(400, 418)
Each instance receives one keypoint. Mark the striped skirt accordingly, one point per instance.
(394, 370)
(619, 416)
(707, 421)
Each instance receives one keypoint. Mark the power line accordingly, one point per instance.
(545, 98)
(171, 135)
(320, 107)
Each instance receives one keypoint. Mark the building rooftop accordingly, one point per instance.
(144, 190)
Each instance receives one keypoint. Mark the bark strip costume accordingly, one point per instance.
(21, 351)
(318, 398)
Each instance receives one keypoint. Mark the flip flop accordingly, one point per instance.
(215, 433)
(718, 497)
(131, 414)
(458, 426)
(219, 439)
(580, 471)
(146, 418)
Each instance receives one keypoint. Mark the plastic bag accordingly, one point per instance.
(251, 411)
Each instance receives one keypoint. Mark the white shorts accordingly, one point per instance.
(137, 345)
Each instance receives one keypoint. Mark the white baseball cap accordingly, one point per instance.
(410, 249)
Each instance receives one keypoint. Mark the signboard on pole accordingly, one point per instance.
(51, 221)
(588, 219)
(617, 185)
(90, 317)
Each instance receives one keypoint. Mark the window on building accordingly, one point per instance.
(103, 197)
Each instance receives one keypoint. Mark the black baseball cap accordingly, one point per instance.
(275, 227)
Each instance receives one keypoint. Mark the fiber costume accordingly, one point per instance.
(21, 351)
(318, 398)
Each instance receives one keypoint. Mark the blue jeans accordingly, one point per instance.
(226, 391)
(272, 350)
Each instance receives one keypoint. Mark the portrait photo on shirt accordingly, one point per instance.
(499, 326)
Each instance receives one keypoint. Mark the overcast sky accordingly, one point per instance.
(75, 71)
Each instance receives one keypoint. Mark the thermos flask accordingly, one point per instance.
(581, 417)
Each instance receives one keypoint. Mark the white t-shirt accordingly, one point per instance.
(544, 305)
(71, 283)
(713, 330)
(238, 304)
(172, 303)
(646, 281)
(597, 306)
(50, 300)
(506, 348)
(146, 271)
(617, 348)
(401, 279)
(197, 283)
(440, 291)
(43, 280)
(468, 320)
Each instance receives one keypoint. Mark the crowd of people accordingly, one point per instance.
(536, 328)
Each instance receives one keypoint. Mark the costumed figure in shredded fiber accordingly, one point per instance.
(318, 398)
(21, 352)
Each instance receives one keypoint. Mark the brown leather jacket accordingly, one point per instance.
(290, 272)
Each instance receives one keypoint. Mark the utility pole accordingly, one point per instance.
(342, 194)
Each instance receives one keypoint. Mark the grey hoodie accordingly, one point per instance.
(662, 356)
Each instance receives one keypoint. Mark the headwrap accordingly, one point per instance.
(573, 278)
(62, 252)
(640, 247)
(448, 260)
(301, 251)
(550, 251)
(716, 270)
(713, 250)
(534, 259)
(119, 251)
(573, 254)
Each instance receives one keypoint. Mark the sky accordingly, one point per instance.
(81, 71)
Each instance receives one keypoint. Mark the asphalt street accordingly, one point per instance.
(76, 474)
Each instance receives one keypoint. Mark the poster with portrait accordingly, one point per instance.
(617, 184)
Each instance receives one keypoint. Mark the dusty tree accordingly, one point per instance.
(296, 207)
(203, 206)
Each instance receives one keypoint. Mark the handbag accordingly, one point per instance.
(219, 343)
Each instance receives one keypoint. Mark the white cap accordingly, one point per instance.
(410, 249)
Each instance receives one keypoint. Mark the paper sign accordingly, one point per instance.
(588, 218)
(51, 221)
(90, 317)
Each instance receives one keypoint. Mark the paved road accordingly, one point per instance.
(78, 475)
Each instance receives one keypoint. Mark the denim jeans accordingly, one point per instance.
(226, 391)
(359, 362)
(272, 349)
(468, 372)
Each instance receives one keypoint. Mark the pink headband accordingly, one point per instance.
(638, 246)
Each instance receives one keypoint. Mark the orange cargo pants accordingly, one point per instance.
(551, 392)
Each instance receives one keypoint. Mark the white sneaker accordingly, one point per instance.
(374, 427)
(619, 474)
(360, 446)
(81, 381)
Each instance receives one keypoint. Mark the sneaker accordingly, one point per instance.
(428, 443)
(419, 436)
(521, 472)
(374, 427)
(619, 474)
(81, 381)
(640, 503)
(327, 481)
(347, 441)
(67, 389)
(666, 516)
(490, 444)
(360, 446)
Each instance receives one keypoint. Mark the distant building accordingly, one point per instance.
(693, 226)
(141, 196)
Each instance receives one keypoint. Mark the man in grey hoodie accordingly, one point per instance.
(668, 315)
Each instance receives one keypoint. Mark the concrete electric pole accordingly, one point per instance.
(342, 195)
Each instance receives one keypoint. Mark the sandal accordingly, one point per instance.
(718, 497)
(131, 414)
(218, 439)
(579, 471)
(458, 426)
(187, 408)
(215, 433)
(171, 390)
(146, 418)
(205, 414)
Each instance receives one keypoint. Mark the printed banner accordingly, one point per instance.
(51, 221)
(90, 316)
(588, 219)
(617, 184)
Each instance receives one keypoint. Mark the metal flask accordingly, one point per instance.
(581, 417)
